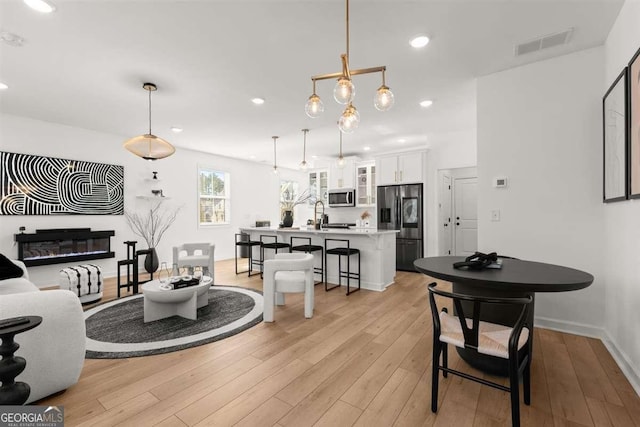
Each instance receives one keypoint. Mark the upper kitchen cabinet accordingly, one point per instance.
(342, 176)
(405, 168)
(366, 184)
(318, 185)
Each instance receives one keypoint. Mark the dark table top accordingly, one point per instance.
(517, 275)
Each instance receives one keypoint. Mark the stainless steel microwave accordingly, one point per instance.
(342, 197)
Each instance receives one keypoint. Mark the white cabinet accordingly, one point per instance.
(405, 168)
(366, 184)
(342, 177)
(318, 185)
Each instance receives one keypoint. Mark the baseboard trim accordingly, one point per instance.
(569, 327)
(622, 360)
(627, 368)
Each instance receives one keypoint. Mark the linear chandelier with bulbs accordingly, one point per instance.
(345, 91)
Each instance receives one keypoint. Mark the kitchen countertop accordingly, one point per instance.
(311, 230)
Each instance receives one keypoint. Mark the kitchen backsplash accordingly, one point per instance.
(340, 215)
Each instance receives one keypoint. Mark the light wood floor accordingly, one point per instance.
(362, 360)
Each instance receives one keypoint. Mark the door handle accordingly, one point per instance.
(457, 217)
(457, 223)
(395, 176)
(446, 225)
(400, 176)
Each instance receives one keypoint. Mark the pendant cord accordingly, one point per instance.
(149, 111)
(347, 1)
(340, 145)
(304, 146)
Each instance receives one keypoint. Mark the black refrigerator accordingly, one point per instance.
(400, 208)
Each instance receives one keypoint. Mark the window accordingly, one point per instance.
(213, 197)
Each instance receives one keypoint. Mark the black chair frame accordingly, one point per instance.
(519, 361)
(245, 241)
(348, 274)
(270, 245)
(309, 248)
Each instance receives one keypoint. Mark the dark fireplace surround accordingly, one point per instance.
(63, 245)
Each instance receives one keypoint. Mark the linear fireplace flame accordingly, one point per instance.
(55, 246)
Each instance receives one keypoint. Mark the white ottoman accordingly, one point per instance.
(83, 280)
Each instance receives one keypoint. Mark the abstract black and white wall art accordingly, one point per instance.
(36, 185)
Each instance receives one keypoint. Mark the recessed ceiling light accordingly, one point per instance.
(258, 101)
(426, 103)
(366, 148)
(252, 157)
(176, 129)
(402, 140)
(3, 86)
(419, 41)
(314, 157)
(40, 5)
(11, 39)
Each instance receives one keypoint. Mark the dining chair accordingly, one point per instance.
(465, 330)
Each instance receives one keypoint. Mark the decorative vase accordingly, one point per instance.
(287, 220)
(151, 262)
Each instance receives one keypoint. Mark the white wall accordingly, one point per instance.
(459, 150)
(621, 246)
(254, 191)
(540, 125)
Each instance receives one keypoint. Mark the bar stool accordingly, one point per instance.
(246, 242)
(348, 274)
(309, 248)
(270, 245)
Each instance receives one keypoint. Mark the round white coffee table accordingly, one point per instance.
(160, 303)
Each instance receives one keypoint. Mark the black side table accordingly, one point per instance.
(11, 392)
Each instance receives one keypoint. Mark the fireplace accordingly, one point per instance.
(57, 246)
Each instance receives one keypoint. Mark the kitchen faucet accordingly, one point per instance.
(315, 214)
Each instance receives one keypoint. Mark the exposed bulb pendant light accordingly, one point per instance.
(149, 146)
(275, 165)
(344, 91)
(383, 101)
(303, 164)
(349, 120)
(340, 157)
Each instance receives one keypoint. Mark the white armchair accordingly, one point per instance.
(288, 272)
(60, 337)
(195, 255)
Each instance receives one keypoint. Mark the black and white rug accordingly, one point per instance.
(117, 330)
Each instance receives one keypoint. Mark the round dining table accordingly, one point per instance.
(515, 278)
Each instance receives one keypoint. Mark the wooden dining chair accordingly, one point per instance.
(469, 332)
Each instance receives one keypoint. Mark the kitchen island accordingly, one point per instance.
(377, 251)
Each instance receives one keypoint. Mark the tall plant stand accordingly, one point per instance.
(132, 265)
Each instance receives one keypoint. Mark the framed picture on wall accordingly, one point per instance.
(634, 125)
(614, 120)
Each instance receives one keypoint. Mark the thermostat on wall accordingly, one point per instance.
(500, 182)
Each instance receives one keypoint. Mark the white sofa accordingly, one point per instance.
(54, 350)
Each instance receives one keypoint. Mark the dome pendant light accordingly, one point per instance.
(303, 164)
(275, 165)
(149, 146)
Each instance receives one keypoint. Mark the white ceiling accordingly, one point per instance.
(84, 66)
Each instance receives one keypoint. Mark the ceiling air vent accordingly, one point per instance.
(544, 42)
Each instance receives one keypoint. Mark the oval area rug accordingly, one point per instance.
(117, 330)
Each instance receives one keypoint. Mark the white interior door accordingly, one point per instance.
(446, 223)
(465, 211)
